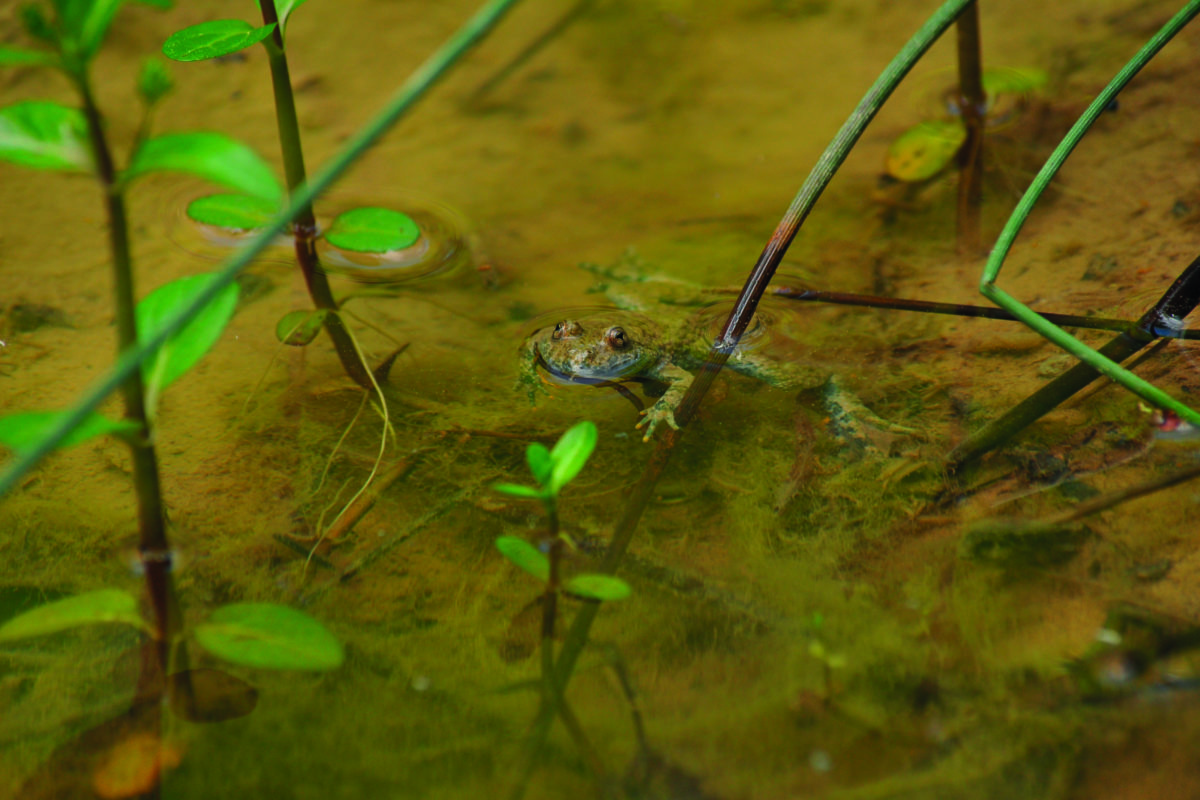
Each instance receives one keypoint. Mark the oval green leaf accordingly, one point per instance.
(373, 230)
(16, 57)
(540, 462)
(299, 328)
(599, 587)
(21, 432)
(570, 453)
(517, 490)
(213, 39)
(179, 352)
(212, 156)
(924, 150)
(525, 556)
(44, 135)
(270, 636)
(239, 212)
(91, 608)
(85, 22)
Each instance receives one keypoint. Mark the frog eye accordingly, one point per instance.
(616, 338)
(567, 329)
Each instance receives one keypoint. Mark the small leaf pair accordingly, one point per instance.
(554, 469)
(260, 635)
(591, 586)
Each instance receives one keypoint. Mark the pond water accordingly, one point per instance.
(818, 607)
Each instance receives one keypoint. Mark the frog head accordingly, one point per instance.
(596, 349)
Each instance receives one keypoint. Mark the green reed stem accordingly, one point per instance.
(130, 360)
(739, 319)
(987, 285)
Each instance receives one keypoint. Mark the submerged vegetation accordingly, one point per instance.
(945, 570)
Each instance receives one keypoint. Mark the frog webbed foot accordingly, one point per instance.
(656, 415)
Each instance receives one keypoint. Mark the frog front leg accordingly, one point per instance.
(528, 380)
(678, 380)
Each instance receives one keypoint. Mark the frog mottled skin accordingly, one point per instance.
(617, 346)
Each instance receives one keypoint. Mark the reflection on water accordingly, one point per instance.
(818, 608)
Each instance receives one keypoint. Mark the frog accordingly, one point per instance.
(614, 346)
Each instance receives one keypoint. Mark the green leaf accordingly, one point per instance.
(241, 212)
(36, 133)
(160, 4)
(181, 351)
(598, 587)
(516, 490)
(372, 230)
(540, 462)
(16, 57)
(20, 432)
(93, 23)
(925, 149)
(214, 39)
(299, 328)
(154, 81)
(284, 9)
(36, 24)
(92, 608)
(1006, 80)
(269, 636)
(213, 156)
(525, 556)
(570, 453)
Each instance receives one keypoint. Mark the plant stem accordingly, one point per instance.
(425, 76)
(961, 310)
(304, 223)
(971, 104)
(153, 547)
(1175, 304)
(1016, 220)
(739, 319)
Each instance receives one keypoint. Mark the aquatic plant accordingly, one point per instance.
(381, 231)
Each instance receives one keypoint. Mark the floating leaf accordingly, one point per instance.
(240, 212)
(299, 328)
(373, 230)
(924, 150)
(540, 462)
(16, 57)
(21, 432)
(36, 133)
(599, 587)
(269, 636)
(154, 81)
(516, 490)
(91, 608)
(179, 352)
(570, 453)
(213, 156)
(525, 556)
(1006, 80)
(213, 39)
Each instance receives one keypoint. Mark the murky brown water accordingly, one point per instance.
(807, 616)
